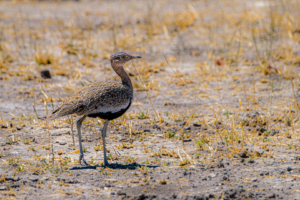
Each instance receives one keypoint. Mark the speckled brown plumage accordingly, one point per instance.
(96, 98)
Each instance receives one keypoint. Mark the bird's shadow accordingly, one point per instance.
(132, 166)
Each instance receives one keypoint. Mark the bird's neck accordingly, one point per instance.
(124, 76)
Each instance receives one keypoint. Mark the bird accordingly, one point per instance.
(107, 100)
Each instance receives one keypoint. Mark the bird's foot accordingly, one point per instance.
(105, 163)
(82, 158)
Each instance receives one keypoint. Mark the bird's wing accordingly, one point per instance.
(94, 98)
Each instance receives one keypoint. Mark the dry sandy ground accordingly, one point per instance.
(228, 129)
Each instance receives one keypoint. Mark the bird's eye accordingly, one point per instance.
(123, 56)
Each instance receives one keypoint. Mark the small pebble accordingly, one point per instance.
(212, 175)
(45, 74)
(261, 130)
(197, 124)
(253, 115)
(3, 126)
(10, 178)
(271, 196)
(45, 179)
(33, 179)
(121, 193)
(3, 188)
(63, 143)
(243, 155)
(182, 123)
(156, 126)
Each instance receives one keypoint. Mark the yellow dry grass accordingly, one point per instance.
(234, 62)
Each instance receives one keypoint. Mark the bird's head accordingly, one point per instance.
(120, 58)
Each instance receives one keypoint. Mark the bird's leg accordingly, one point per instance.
(103, 141)
(79, 124)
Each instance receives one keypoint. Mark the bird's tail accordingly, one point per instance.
(54, 115)
(48, 118)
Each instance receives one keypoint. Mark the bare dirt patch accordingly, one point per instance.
(216, 116)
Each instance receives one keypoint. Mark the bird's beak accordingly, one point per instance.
(135, 57)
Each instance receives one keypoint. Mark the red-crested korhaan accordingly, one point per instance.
(106, 100)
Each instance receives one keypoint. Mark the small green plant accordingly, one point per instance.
(265, 139)
(227, 114)
(112, 157)
(19, 168)
(11, 161)
(66, 160)
(200, 143)
(9, 140)
(288, 121)
(97, 148)
(142, 137)
(170, 134)
(143, 115)
(267, 133)
(27, 141)
(31, 149)
(131, 160)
